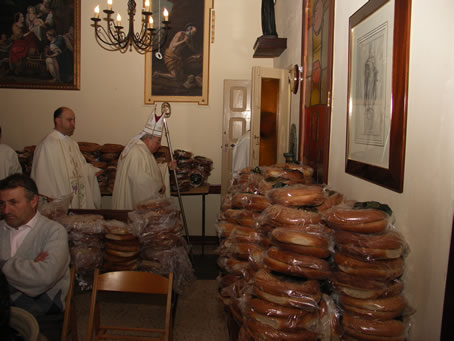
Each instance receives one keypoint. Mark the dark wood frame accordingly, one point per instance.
(29, 82)
(393, 176)
(175, 92)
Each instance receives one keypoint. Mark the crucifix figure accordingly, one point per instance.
(268, 21)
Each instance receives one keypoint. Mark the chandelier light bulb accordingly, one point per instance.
(165, 12)
(109, 5)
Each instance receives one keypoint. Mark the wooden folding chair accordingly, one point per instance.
(70, 318)
(129, 282)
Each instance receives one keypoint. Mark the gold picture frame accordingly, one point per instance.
(377, 92)
(40, 45)
(182, 75)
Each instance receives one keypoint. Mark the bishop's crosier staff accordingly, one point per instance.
(165, 111)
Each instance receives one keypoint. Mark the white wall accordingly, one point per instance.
(424, 210)
(110, 104)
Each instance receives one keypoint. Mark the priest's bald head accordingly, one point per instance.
(65, 121)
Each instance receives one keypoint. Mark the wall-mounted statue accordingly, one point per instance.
(268, 20)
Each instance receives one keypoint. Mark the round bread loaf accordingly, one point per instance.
(275, 310)
(281, 215)
(299, 237)
(254, 202)
(120, 237)
(378, 308)
(260, 331)
(357, 220)
(369, 254)
(307, 321)
(111, 148)
(320, 252)
(331, 199)
(121, 254)
(299, 261)
(385, 240)
(286, 286)
(296, 195)
(241, 217)
(294, 270)
(367, 329)
(392, 288)
(382, 269)
(88, 147)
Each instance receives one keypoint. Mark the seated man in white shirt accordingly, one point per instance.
(34, 254)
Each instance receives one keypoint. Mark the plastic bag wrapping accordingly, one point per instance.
(239, 250)
(360, 220)
(283, 172)
(153, 219)
(116, 227)
(163, 240)
(374, 308)
(56, 208)
(330, 329)
(253, 202)
(260, 331)
(307, 236)
(369, 329)
(240, 217)
(226, 202)
(332, 198)
(233, 265)
(277, 215)
(77, 239)
(297, 195)
(388, 244)
(174, 260)
(364, 288)
(225, 228)
(382, 270)
(83, 223)
(287, 291)
(85, 259)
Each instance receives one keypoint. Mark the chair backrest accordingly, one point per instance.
(129, 282)
(70, 318)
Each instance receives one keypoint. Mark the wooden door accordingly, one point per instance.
(270, 121)
(237, 118)
(315, 112)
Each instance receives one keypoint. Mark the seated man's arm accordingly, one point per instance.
(37, 274)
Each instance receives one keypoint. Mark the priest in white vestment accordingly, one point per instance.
(9, 162)
(240, 154)
(59, 168)
(139, 177)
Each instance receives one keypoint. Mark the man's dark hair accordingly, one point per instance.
(58, 112)
(20, 180)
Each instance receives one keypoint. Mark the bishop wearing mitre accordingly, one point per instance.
(139, 177)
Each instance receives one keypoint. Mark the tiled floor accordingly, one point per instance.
(199, 315)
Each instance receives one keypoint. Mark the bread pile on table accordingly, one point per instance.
(104, 157)
(86, 244)
(158, 226)
(26, 158)
(192, 171)
(299, 263)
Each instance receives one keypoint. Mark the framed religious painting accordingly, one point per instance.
(40, 44)
(377, 92)
(177, 69)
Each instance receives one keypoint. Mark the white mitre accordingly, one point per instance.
(153, 127)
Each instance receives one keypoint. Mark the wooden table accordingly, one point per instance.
(203, 191)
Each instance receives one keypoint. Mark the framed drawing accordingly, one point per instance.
(40, 44)
(178, 71)
(377, 92)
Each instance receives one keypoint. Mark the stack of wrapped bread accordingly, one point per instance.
(192, 171)
(85, 235)
(104, 157)
(157, 224)
(369, 260)
(319, 261)
(26, 159)
(121, 247)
